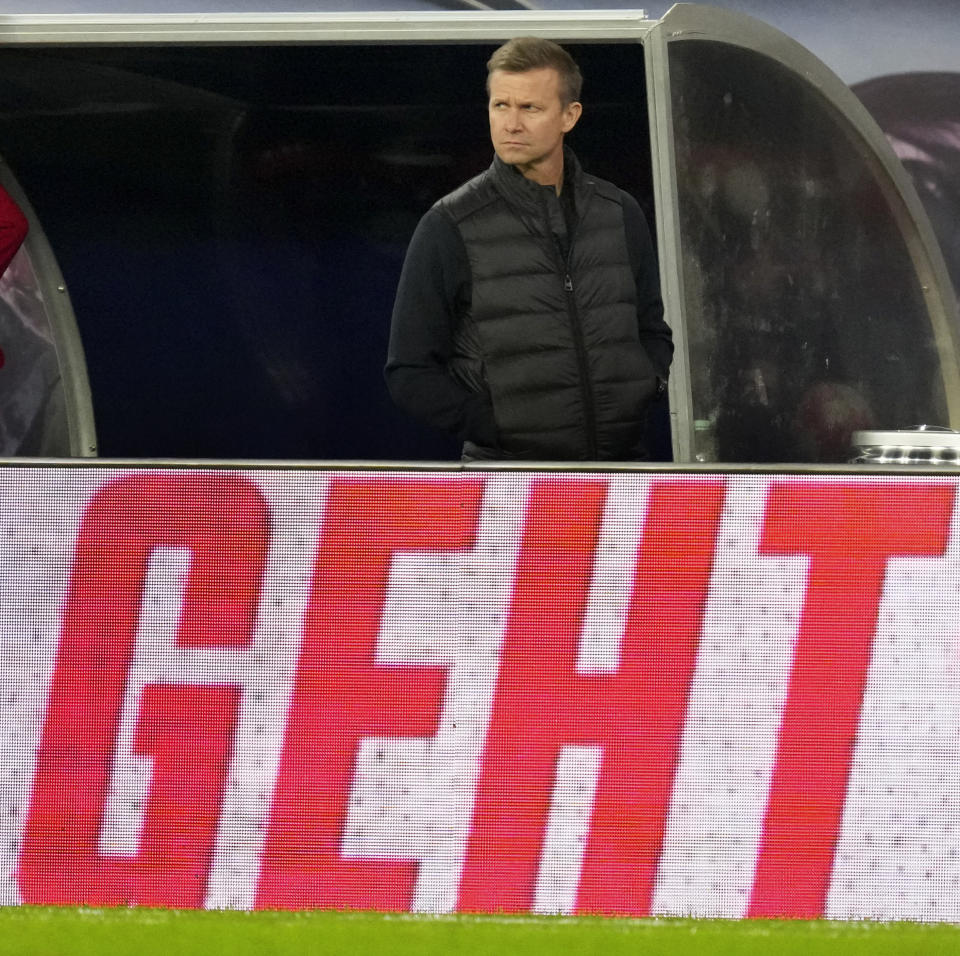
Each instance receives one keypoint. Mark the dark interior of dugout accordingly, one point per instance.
(231, 223)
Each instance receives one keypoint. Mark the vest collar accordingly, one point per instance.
(518, 188)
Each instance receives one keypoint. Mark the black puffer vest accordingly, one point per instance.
(553, 340)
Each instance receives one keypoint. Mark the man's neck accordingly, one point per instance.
(551, 175)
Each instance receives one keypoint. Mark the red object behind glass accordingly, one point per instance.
(13, 229)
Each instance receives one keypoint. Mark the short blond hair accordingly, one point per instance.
(534, 53)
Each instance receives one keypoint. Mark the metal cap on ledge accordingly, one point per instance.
(923, 445)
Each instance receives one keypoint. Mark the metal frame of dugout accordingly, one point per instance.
(807, 293)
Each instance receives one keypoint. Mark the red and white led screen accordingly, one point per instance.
(618, 693)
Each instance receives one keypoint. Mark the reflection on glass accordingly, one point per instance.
(805, 316)
(32, 404)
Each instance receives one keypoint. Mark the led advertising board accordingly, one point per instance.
(489, 691)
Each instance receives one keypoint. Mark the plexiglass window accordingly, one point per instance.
(805, 314)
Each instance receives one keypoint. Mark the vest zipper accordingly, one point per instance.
(585, 385)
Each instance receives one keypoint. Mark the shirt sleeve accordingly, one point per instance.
(655, 334)
(434, 287)
(13, 229)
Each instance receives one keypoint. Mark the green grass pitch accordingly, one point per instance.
(50, 931)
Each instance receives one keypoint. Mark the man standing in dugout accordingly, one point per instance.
(528, 319)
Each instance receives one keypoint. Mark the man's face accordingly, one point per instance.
(528, 122)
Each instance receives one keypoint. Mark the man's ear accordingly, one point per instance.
(571, 114)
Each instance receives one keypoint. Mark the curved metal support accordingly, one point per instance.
(698, 20)
(54, 413)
